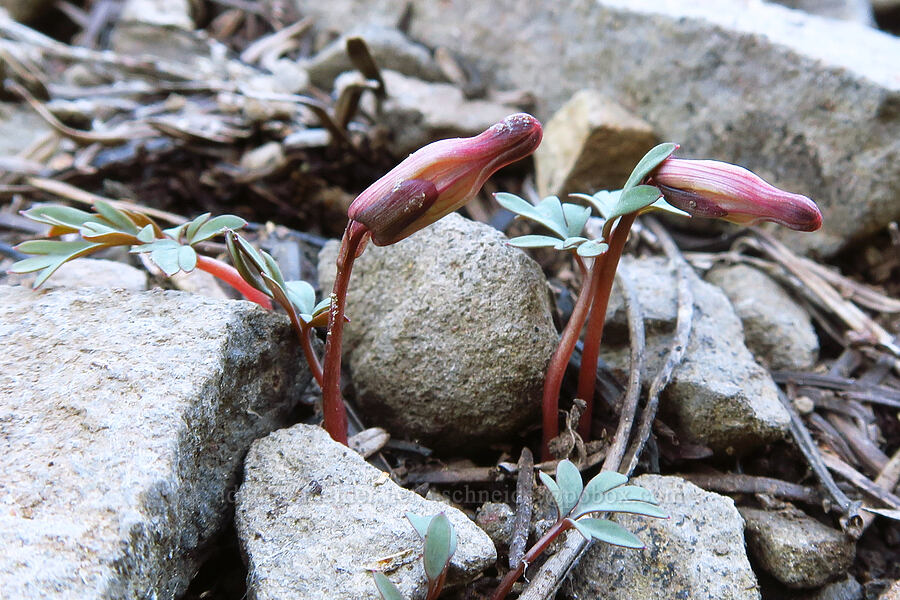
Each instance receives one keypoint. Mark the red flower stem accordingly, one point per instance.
(512, 576)
(332, 403)
(556, 369)
(230, 275)
(605, 274)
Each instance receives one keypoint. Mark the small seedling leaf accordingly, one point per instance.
(175, 232)
(535, 241)
(568, 477)
(635, 199)
(664, 206)
(419, 523)
(438, 546)
(551, 208)
(387, 589)
(147, 234)
(302, 296)
(187, 259)
(576, 218)
(191, 230)
(59, 216)
(525, 209)
(165, 255)
(50, 261)
(572, 242)
(607, 531)
(650, 161)
(215, 226)
(104, 234)
(116, 217)
(554, 490)
(592, 248)
(625, 506)
(603, 201)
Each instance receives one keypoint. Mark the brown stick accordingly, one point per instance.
(524, 489)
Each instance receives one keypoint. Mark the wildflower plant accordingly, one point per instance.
(659, 182)
(607, 492)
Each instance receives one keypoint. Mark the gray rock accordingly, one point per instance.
(162, 13)
(26, 10)
(93, 272)
(314, 519)
(388, 46)
(797, 550)
(124, 419)
(718, 396)
(450, 334)
(590, 144)
(497, 520)
(857, 11)
(698, 552)
(811, 104)
(419, 112)
(777, 330)
(845, 589)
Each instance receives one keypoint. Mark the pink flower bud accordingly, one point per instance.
(708, 188)
(439, 178)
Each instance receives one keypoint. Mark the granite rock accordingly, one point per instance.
(450, 334)
(811, 104)
(796, 549)
(777, 329)
(313, 519)
(697, 553)
(124, 419)
(590, 144)
(719, 396)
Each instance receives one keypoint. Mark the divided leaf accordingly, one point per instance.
(525, 209)
(607, 531)
(116, 217)
(52, 254)
(592, 248)
(440, 544)
(554, 491)
(387, 589)
(650, 161)
(568, 478)
(302, 296)
(214, 227)
(576, 218)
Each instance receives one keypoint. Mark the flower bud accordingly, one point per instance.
(439, 178)
(708, 188)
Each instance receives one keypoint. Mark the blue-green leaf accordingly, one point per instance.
(624, 506)
(58, 215)
(187, 259)
(302, 296)
(439, 546)
(664, 206)
(576, 217)
(272, 268)
(194, 225)
(635, 199)
(104, 234)
(551, 209)
(215, 226)
(387, 589)
(572, 242)
(554, 491)
(535, 241)
(116, 217)
(525, 209)
(650, 161)
(607, 531)
(175, 232)
(419, 523)
(147, 234)
(592, 248)
(603, 201)
(601, 483)
(570, 485)
(52, 257)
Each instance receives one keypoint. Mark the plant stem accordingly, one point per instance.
(512, 576)
(556, 369)
(604, 275)
(230, 275)
(332, 404)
